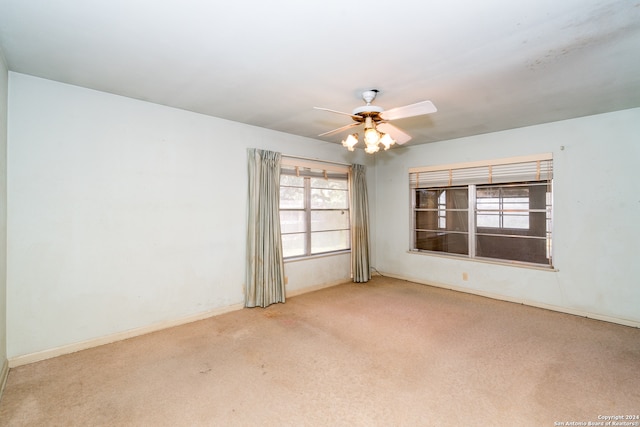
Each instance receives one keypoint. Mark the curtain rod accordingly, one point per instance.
(316, 160)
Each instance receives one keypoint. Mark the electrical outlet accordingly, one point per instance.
(465, 276)
(286, 280)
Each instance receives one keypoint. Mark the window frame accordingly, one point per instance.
(522, 171)
(309, 170)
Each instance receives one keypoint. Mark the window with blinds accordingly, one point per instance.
(314, 208)
(499, 210)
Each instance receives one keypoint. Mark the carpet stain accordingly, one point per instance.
(271, 314)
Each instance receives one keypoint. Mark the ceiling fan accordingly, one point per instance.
(377, 129)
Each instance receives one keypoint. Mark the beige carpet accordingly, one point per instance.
(386, 353)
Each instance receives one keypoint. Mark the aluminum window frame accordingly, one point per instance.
(307, 174)
(478, 175)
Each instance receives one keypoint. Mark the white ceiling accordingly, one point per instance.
(487, 65)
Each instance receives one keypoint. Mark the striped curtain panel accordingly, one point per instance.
(359, 225)
(265, 266)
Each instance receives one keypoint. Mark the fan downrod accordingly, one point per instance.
(369, 95)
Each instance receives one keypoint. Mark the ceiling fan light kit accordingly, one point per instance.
(377, 129)
(350, 142)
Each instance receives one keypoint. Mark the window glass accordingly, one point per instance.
(334, 184)
(291, 197)
(291, 180)
(293, 244)
(329, 241)
(329, 220)
(454, 243)
(511, 221)
(314, 212)
(291, 221)
(442, 209)
(329, 199)
(503, 207)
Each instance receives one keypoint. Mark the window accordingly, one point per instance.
(499, 210)
(314, 208)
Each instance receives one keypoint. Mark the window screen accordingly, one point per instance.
(499, 209)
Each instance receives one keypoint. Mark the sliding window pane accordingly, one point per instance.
(444, 209)
(515, 205)
(488, 207)
(455, 198)
(447, 220)
(329, 199)
(487, 219)
(453, 243)
(334, 184)
(516, 220)
(427, 198)
(513, 248)
(291, 197)
(503, 207)
(328, 241)
(455, 221)
(427, 220)
(293, 245)
(291, 180)
(329, 220)
(314, 207)
(292, 222)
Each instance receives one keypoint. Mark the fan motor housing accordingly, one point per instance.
(367, 110)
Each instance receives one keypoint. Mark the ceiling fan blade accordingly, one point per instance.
(417, 109)
(340, 112)
(340, 129)
(400, 136)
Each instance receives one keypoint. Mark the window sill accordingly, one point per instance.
(486, 261)
(309, 257)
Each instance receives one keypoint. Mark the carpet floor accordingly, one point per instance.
(385, 353)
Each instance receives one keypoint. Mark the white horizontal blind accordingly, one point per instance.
(514, 169)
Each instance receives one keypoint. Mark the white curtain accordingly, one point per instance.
(359, 225)
(265, 266)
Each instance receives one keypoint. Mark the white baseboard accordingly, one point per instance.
(119, 336)
(575, 312)
(297, 292)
